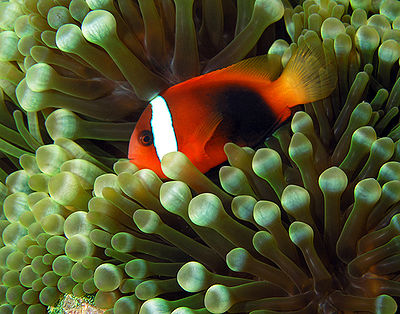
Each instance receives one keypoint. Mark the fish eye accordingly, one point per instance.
(146, 138)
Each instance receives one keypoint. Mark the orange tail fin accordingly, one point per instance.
(306, 78)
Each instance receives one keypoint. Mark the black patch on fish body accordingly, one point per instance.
(247, 118)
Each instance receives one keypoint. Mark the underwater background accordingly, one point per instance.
(307, 223)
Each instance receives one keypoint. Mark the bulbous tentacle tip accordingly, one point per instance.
(99, 27)
(271, 11)
(107, 277)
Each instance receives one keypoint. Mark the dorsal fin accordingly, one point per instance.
(266, 67)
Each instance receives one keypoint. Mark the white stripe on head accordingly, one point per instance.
(161, 125)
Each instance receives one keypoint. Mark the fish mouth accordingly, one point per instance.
(137, 163)
(134, 161)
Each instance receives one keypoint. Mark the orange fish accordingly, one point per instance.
(241, 104)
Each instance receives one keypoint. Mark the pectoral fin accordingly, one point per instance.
(206, 130)
(204, 133)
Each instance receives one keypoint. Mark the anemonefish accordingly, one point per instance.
(241, 103)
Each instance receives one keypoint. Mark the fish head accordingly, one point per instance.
(142, 151)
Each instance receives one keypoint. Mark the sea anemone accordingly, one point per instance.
(308, 223)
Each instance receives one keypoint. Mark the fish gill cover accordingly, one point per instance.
(309, 223)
